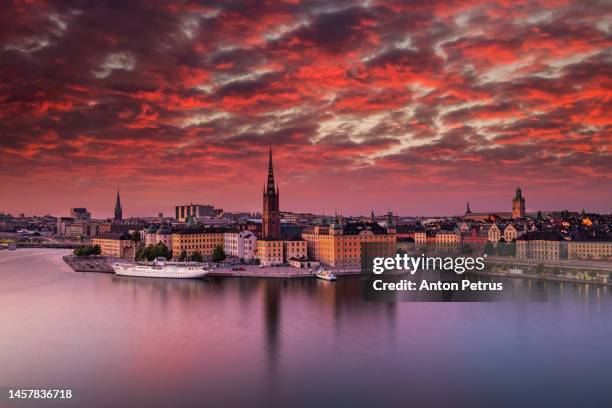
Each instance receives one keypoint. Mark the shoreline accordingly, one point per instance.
(101, 264)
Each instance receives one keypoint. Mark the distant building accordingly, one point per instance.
(590, 249)
(184, 212)
(62, 224)
(541, 245)
(240, 244)
(80, 214)
(518, 205)
(115, 244)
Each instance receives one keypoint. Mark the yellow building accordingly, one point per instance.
(115, 244)
(447, 241)
(295, 249)
(270, 251)
(341, 245)
(541, 245)
(204, 240)
(589, 250)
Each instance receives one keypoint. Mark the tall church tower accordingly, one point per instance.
(518, 205)
(118, 210)
(271, 214)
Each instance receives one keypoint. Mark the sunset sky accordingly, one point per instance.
(413, 106)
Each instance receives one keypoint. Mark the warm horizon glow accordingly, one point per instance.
(416, 107)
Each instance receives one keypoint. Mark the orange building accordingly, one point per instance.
(341, 245)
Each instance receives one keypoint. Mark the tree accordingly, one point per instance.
(183, 256)
(489, 249)
(197, 257)
(151, 252)
(539, 269)
(136, 236)
(218, 254)
(466, 249)
(86, 250)
(511, 249)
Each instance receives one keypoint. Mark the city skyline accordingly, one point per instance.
(417, 108)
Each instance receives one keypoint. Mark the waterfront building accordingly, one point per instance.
(80, 214)
(294, 249)
(518, 205)
(118, 210)
(240, 244)
(270, 252)
(341, 245)
(541, 245)
(117, 245)
(204, 240)
(184, 212)
(598, 249)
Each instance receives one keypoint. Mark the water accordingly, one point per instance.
(119, 341)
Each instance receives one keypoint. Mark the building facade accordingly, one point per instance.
(204, 240)
(241, 244)
(185, 212)
(541, 245)
(341, 245)
(589, 250)
(270, 252)
(115, 245)
(295, 249)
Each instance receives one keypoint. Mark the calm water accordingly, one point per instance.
(251, 342)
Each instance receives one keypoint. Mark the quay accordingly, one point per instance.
(102, 264)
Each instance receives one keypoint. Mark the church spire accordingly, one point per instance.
(118, 209)
(271, 189)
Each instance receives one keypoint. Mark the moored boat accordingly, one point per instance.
(325, 275)
(160, 268)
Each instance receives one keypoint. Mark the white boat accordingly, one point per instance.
(325, 275)
(160, 268)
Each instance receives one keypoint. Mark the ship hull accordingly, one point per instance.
(167, 272)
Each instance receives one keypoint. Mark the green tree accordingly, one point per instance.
(136, 236)
(218, 254)
(183, 256)
(151, 252)
(466, 249)
(86, 250)
(539, 269)
(489, 249)
(197, 256)
(511, 249)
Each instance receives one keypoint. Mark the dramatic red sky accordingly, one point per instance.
(414, 106)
